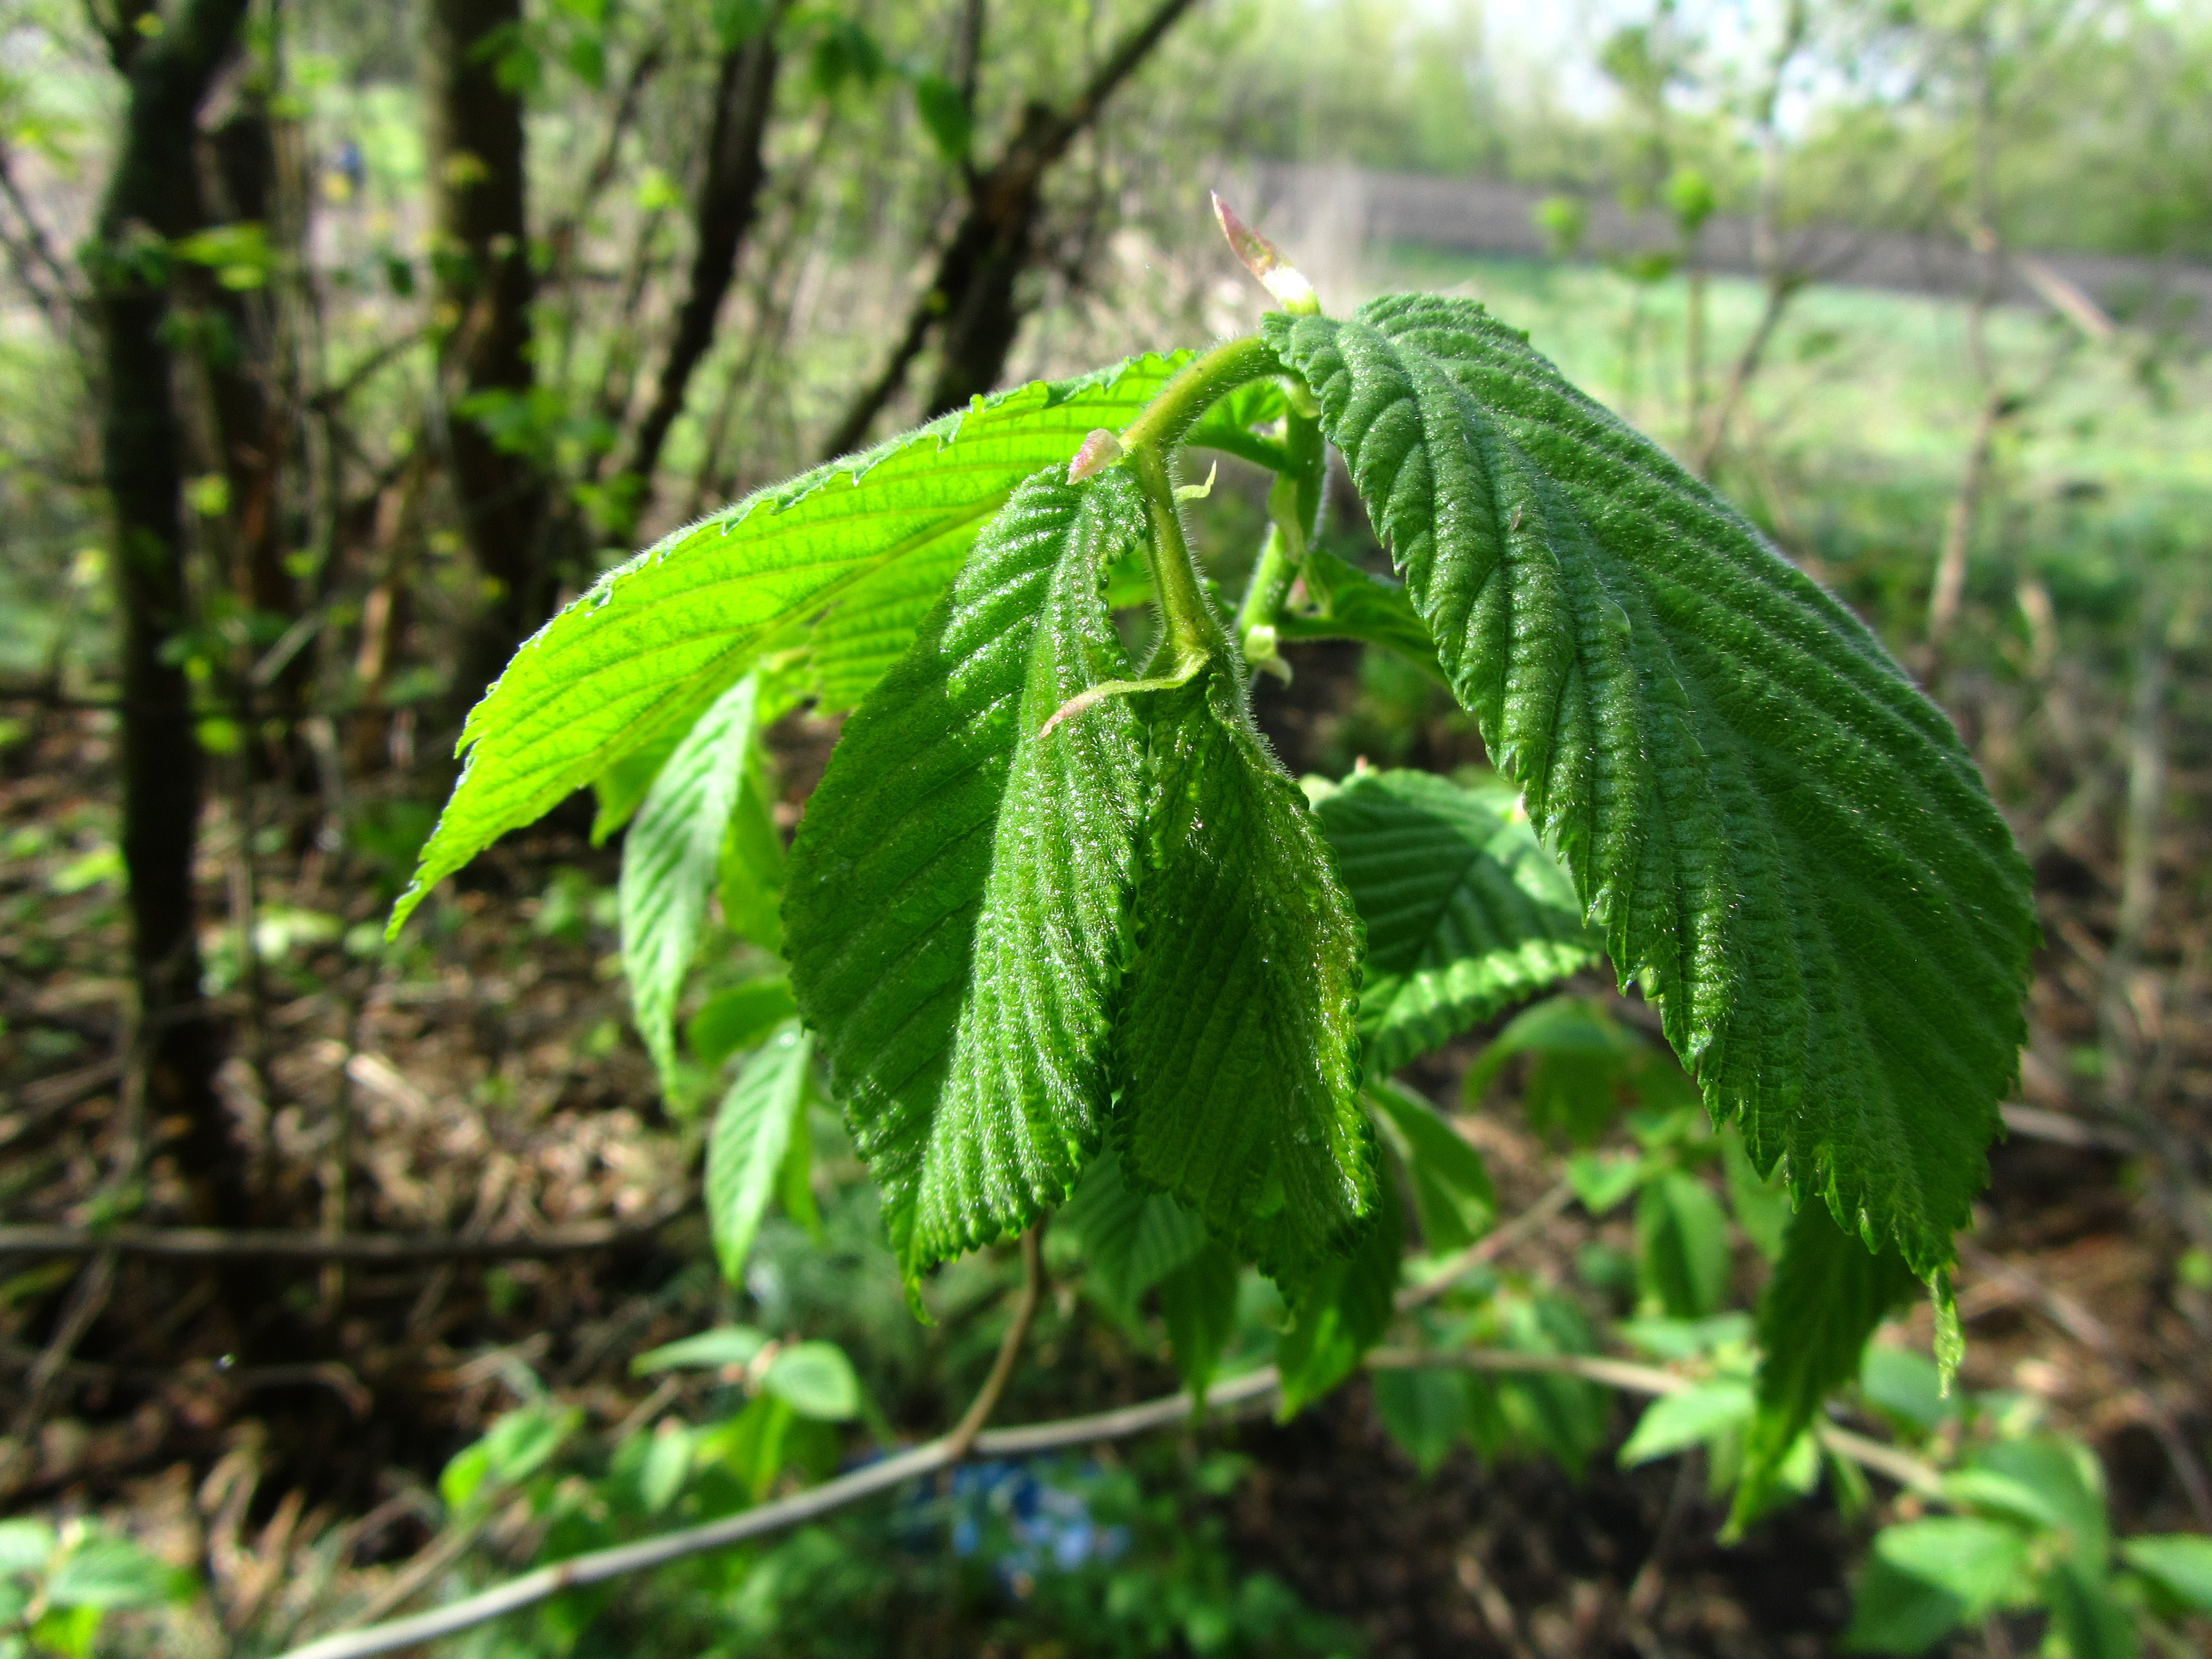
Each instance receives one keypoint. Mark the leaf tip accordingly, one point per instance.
(1265, 261)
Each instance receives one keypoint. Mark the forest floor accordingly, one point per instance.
(481, 1083)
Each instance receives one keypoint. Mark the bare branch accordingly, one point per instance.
(216, 1244)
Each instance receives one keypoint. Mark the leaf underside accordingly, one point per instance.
(655, 639)
(1465, 913)
(1780, 837)
(956, 894)
(1239, 1039)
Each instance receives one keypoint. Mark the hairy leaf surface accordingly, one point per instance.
(956, 894)
(655, 639)
(1782, 838)
(1239, 1041)
(670, 859)
(1465, 911)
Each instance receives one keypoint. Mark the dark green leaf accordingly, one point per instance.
(1453, 1200)
(1197, 1305)
(1783, 839)
(1894, 1611)
(1465, 912)
(1761, 1203)
(1132, 1239)
(1340, 1309)
(1682, 1245)
(670, 858)
(955, 900)
(1238, 1037)
(1425, 1410)
(1827, 1296)
(943, 111)
(740, 1017)
(1585, 1065)
(2095, 1622)
(655, 640)
(751, 1137)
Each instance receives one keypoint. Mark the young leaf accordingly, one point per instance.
(1983, 1564)
(1465, 912)
(1453, 1200)
(669, 862)
(1340, 1308)
(657, 639)
(749, 878)
(1675, 1422)
(1348, 603)
(955, 899)
(1781, 837)
(816, 1380)
(1827, 1295)
(737, 1017)
(1682, 1245)
(1238, 1038)
(2179, 1563)
(724, 1346)
(752, 1136)
(1197, 1305)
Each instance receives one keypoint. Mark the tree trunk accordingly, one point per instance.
(483, 291)
(743, 96)
(153, 197)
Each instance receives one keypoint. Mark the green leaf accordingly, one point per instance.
(1905, 1386)
(2179, 1563)
(1601, 1180)
(1682, 1245)
(724, 1346)
(1132, 1239)
(1675, 1422)
(667, 1466)
(2066, 1479)
(1895, 1612)
(670, 858)
(954, 902)
(1345, 603)
(112, 1573)
(2089, 1618)
(751, 1137)
(1238, 1033)
(1425, 1410)
(1465, 912)
(26, 1545)
(1197, 1305)
(816, 1380)
(1827, 1296)
(1983, 1564)
(1227, 426)
(620, 790)
(657, 640)
(1453, 1200)
(1340, 1309)
(1584, 1063)
(1783, 840)
(738, 1017)
(749, 876)
(1761, 1203)
(944, 113)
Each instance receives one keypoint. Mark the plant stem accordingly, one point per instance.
(1002, 1368)
(1200, 385)
(1193, 632)
(1294, 507)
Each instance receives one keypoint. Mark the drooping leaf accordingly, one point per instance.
(1132, 1239)
(1343, 602)
(1340, 1308)
(945, 114)
(1453, 1200)
(1682, 1245)
(1782, 838)
(745, 1151)
(1827, 1296)
(955, 900)
(656, 640)
(738, 1017)
(1465, 912)
(1238, 1038)
(670, 858)
(1197, 1305)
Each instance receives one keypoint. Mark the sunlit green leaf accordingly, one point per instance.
(751, 1139)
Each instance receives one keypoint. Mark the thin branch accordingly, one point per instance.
(1514, 1233)
(1002, 1368)
(216, 1244)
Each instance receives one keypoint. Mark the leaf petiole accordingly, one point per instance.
(1105, 688)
